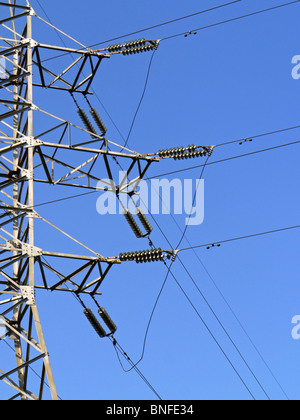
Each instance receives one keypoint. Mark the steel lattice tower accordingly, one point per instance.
(28, 157)
(22, 267)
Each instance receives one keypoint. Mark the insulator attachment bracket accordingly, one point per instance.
(29, 294)
(32, 142)
(31, 251)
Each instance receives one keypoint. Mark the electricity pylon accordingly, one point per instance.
(28, 157)
(23, 268)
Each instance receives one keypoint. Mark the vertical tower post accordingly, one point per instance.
(34, 309)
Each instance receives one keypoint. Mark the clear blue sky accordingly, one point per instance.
(228, 82)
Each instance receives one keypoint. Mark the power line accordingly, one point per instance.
(205, 325)
(225, 331)
(226, 241)
(224, 160)
(168, 22)
(199, 316)
(255, 235)
(212, 335)
(141, 100)
(233, 313)
(214, 314)
(231, 20)
(239, 322)
(281, 130)
(203, 296)
(223, 297)
(150, 27)
(187, 32)
(230, 308)
(120, 350)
